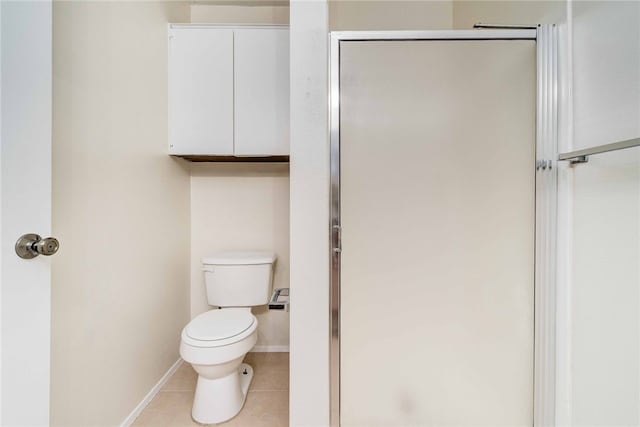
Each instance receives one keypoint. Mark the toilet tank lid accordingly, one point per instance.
(240, 258)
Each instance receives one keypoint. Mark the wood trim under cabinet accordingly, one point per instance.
(227, 159)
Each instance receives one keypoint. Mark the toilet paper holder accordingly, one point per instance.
(275, 303)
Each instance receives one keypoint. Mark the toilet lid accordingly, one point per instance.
(219, 324)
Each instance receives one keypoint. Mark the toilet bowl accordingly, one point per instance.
(215, 344)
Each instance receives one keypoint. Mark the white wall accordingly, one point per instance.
(242, 207)
(605, 297)
(309, 359)
(606, 77)
(120, 209)
(604, 293)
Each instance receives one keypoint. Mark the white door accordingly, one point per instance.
(437, 153)
(25, 180)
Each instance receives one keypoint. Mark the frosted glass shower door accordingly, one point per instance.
(437, 142)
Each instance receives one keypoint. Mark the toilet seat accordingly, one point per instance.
(216, 328)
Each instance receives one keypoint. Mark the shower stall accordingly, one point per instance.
(443, 208)
(485, 223)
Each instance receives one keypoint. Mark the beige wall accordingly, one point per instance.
(120, 209)
(390, 15)
(239, 14)
(467, 13)
(242, 207)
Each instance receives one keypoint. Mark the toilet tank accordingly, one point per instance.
(238, 279)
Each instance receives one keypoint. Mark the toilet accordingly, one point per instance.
(215, 342)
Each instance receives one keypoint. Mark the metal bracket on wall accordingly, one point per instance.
(578, 160)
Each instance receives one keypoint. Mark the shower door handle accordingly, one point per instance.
(336, 230)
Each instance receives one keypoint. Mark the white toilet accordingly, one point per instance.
(215, 342)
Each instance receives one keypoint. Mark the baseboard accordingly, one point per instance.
(270, 349)
(147, 399)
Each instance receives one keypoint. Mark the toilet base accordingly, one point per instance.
(219, 400)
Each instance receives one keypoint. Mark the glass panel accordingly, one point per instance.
(437, 181)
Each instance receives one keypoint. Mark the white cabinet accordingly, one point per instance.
(261, 106)
(228, 91)
(201, 91)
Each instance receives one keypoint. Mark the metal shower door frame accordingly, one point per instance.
(545, 198)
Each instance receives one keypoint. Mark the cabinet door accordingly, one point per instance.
(261, 58)
(200, 91)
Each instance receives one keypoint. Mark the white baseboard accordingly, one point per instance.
(147, 399)
(270, 349)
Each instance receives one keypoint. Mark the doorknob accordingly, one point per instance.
(31, 245)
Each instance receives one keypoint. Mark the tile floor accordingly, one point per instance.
(267, 403)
